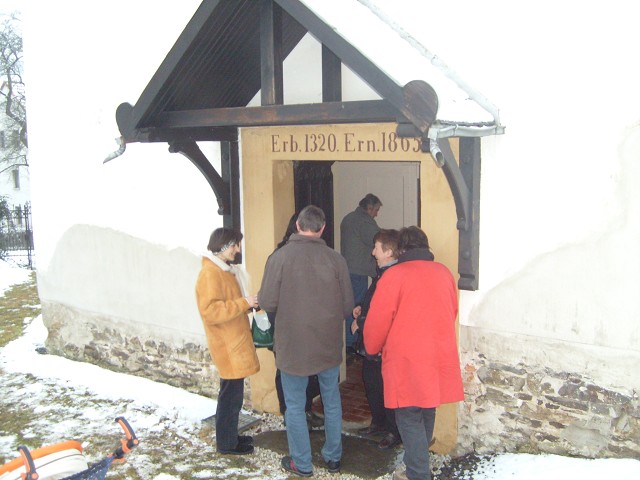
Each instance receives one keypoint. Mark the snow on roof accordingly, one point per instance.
(404, 59)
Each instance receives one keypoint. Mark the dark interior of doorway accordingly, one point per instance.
(313, 185)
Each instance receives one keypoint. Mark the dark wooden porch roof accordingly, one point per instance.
(230, 50)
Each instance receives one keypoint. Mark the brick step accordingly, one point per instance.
(354, 402)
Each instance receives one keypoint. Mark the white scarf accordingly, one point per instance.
(240, 273)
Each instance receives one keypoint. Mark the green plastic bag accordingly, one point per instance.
(262, 330)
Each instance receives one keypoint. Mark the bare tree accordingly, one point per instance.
(13, 114)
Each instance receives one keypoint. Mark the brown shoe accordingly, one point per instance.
(389, 441)
(372, 429)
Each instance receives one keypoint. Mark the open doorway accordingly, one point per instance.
(337, 187)
(397, 184)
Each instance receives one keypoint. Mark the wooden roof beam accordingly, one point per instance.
(331, 76)
(272, 90)
(299, 114)
(417, 101)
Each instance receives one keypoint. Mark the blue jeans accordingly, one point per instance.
(416, 429)
(295, 396)
(359, 284)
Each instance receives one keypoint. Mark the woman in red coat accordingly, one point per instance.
(412, 321)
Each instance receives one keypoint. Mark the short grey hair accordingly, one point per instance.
(311, 219)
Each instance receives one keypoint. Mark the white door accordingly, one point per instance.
(395, 183)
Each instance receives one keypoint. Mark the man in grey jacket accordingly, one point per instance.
(307, 284)
(357, 230)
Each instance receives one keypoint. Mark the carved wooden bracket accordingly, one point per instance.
(464, 181)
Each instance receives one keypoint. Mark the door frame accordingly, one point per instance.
(267, 155)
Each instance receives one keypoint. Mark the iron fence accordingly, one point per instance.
(16, 234)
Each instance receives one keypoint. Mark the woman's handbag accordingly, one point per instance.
(262, 330)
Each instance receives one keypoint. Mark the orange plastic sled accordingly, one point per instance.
(65, 460)
(55, 461)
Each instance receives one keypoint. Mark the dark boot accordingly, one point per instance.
(314, 421)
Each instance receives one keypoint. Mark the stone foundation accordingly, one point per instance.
(510, 406)
(531, 408)
(102, 342)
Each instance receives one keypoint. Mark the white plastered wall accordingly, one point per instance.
(559, 207)
(121, 239)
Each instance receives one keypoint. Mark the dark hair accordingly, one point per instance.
(412, 237)
(222, 238)
(388, 238)
(370, 200)
(291, 229)
(311, 219)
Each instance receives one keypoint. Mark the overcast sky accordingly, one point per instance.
(8, 6)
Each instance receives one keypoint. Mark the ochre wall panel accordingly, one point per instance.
(268, 202)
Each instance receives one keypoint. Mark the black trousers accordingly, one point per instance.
(374, 390)
(228, 412)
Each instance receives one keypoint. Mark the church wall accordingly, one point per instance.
(549, 343)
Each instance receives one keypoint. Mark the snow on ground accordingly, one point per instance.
(156, 409)
(20, 356)
(10, 275)
(511, 466)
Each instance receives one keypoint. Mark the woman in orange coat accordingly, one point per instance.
(223, 306)
(412, 321)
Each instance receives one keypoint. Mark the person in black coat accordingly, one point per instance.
(385, 251)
